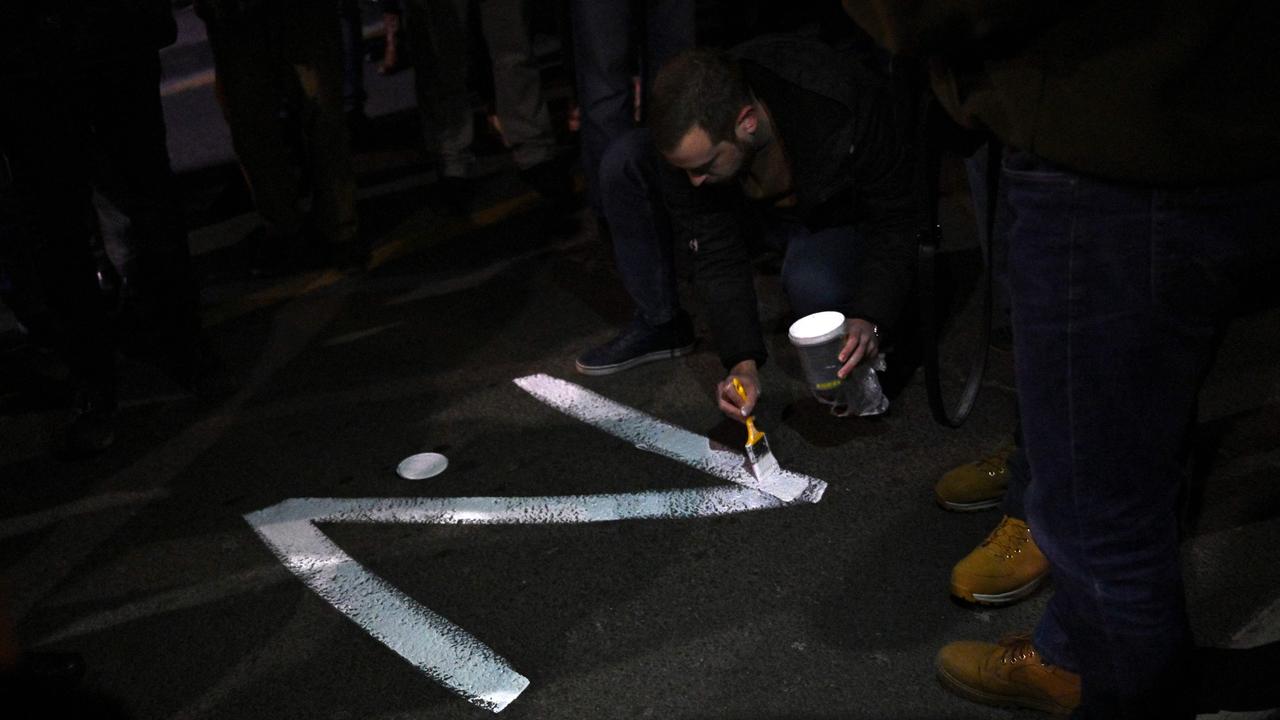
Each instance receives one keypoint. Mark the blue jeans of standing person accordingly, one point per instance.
(1119, 292)
(605, 60)
(816, 265)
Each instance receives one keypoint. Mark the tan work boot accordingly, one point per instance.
(1005, 568)
(975, 486)
(1007, 674)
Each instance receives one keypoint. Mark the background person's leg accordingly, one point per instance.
(250, 62)
(604, 62)
(517, 83)
(44, 211)
(669, 29)
(438, 35)
(315, 51)
(135, 177)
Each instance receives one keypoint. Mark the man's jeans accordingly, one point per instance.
(1119, 292)
(816, 266)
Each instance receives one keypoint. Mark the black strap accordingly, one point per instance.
(929, 237)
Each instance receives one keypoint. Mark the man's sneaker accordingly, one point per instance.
(1008, 674)
(1005, 568)
(975, 486)
(638, 344)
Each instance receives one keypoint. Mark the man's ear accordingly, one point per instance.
(747, 123)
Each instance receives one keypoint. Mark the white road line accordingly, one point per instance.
(443, 651)
(649, 433)
(23, 524)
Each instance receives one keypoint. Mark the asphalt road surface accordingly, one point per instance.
(558, 567)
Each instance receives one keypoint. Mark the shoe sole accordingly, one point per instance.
(980, 696)
(637, 360)
(997, 599)
(967, 507)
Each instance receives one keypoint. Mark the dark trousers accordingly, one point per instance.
(1119, 292)
(816, 264)
(438, 37)
(289, 53)
(60, 134)
(605, 60)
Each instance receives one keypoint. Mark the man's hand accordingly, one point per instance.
(731, 403)
(863, 344)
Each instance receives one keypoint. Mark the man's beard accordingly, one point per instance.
(748, 150)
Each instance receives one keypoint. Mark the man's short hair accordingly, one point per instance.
(697, 88)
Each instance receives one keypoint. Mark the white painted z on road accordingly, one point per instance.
(445, 652)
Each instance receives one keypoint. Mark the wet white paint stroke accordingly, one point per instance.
(443, 651)
(649, 433)
(440, 649)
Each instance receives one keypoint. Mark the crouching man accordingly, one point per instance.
(785, 139)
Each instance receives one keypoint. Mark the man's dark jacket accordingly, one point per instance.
(849, 165)
(1158, 92)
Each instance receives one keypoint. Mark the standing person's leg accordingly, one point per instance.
(136, 178)
(438, 34)
(353, 94)
(604, 61)
(669, 30)
(250, 60)
(1107, 397)
(643, 247)
(1119, 297)
(1118, 292)
(314, 47)
(44, 207)
(517, 83)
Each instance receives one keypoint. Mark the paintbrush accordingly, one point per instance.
(763, 464)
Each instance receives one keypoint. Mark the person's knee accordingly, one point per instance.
(621, 166)
(812, 286)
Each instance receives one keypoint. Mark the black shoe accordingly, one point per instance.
(638, 344)
(92, 427)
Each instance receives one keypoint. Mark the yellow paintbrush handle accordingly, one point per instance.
(753, 435)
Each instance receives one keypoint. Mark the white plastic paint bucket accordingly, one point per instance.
(818, 338)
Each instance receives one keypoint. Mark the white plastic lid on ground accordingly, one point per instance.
(422, 466)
